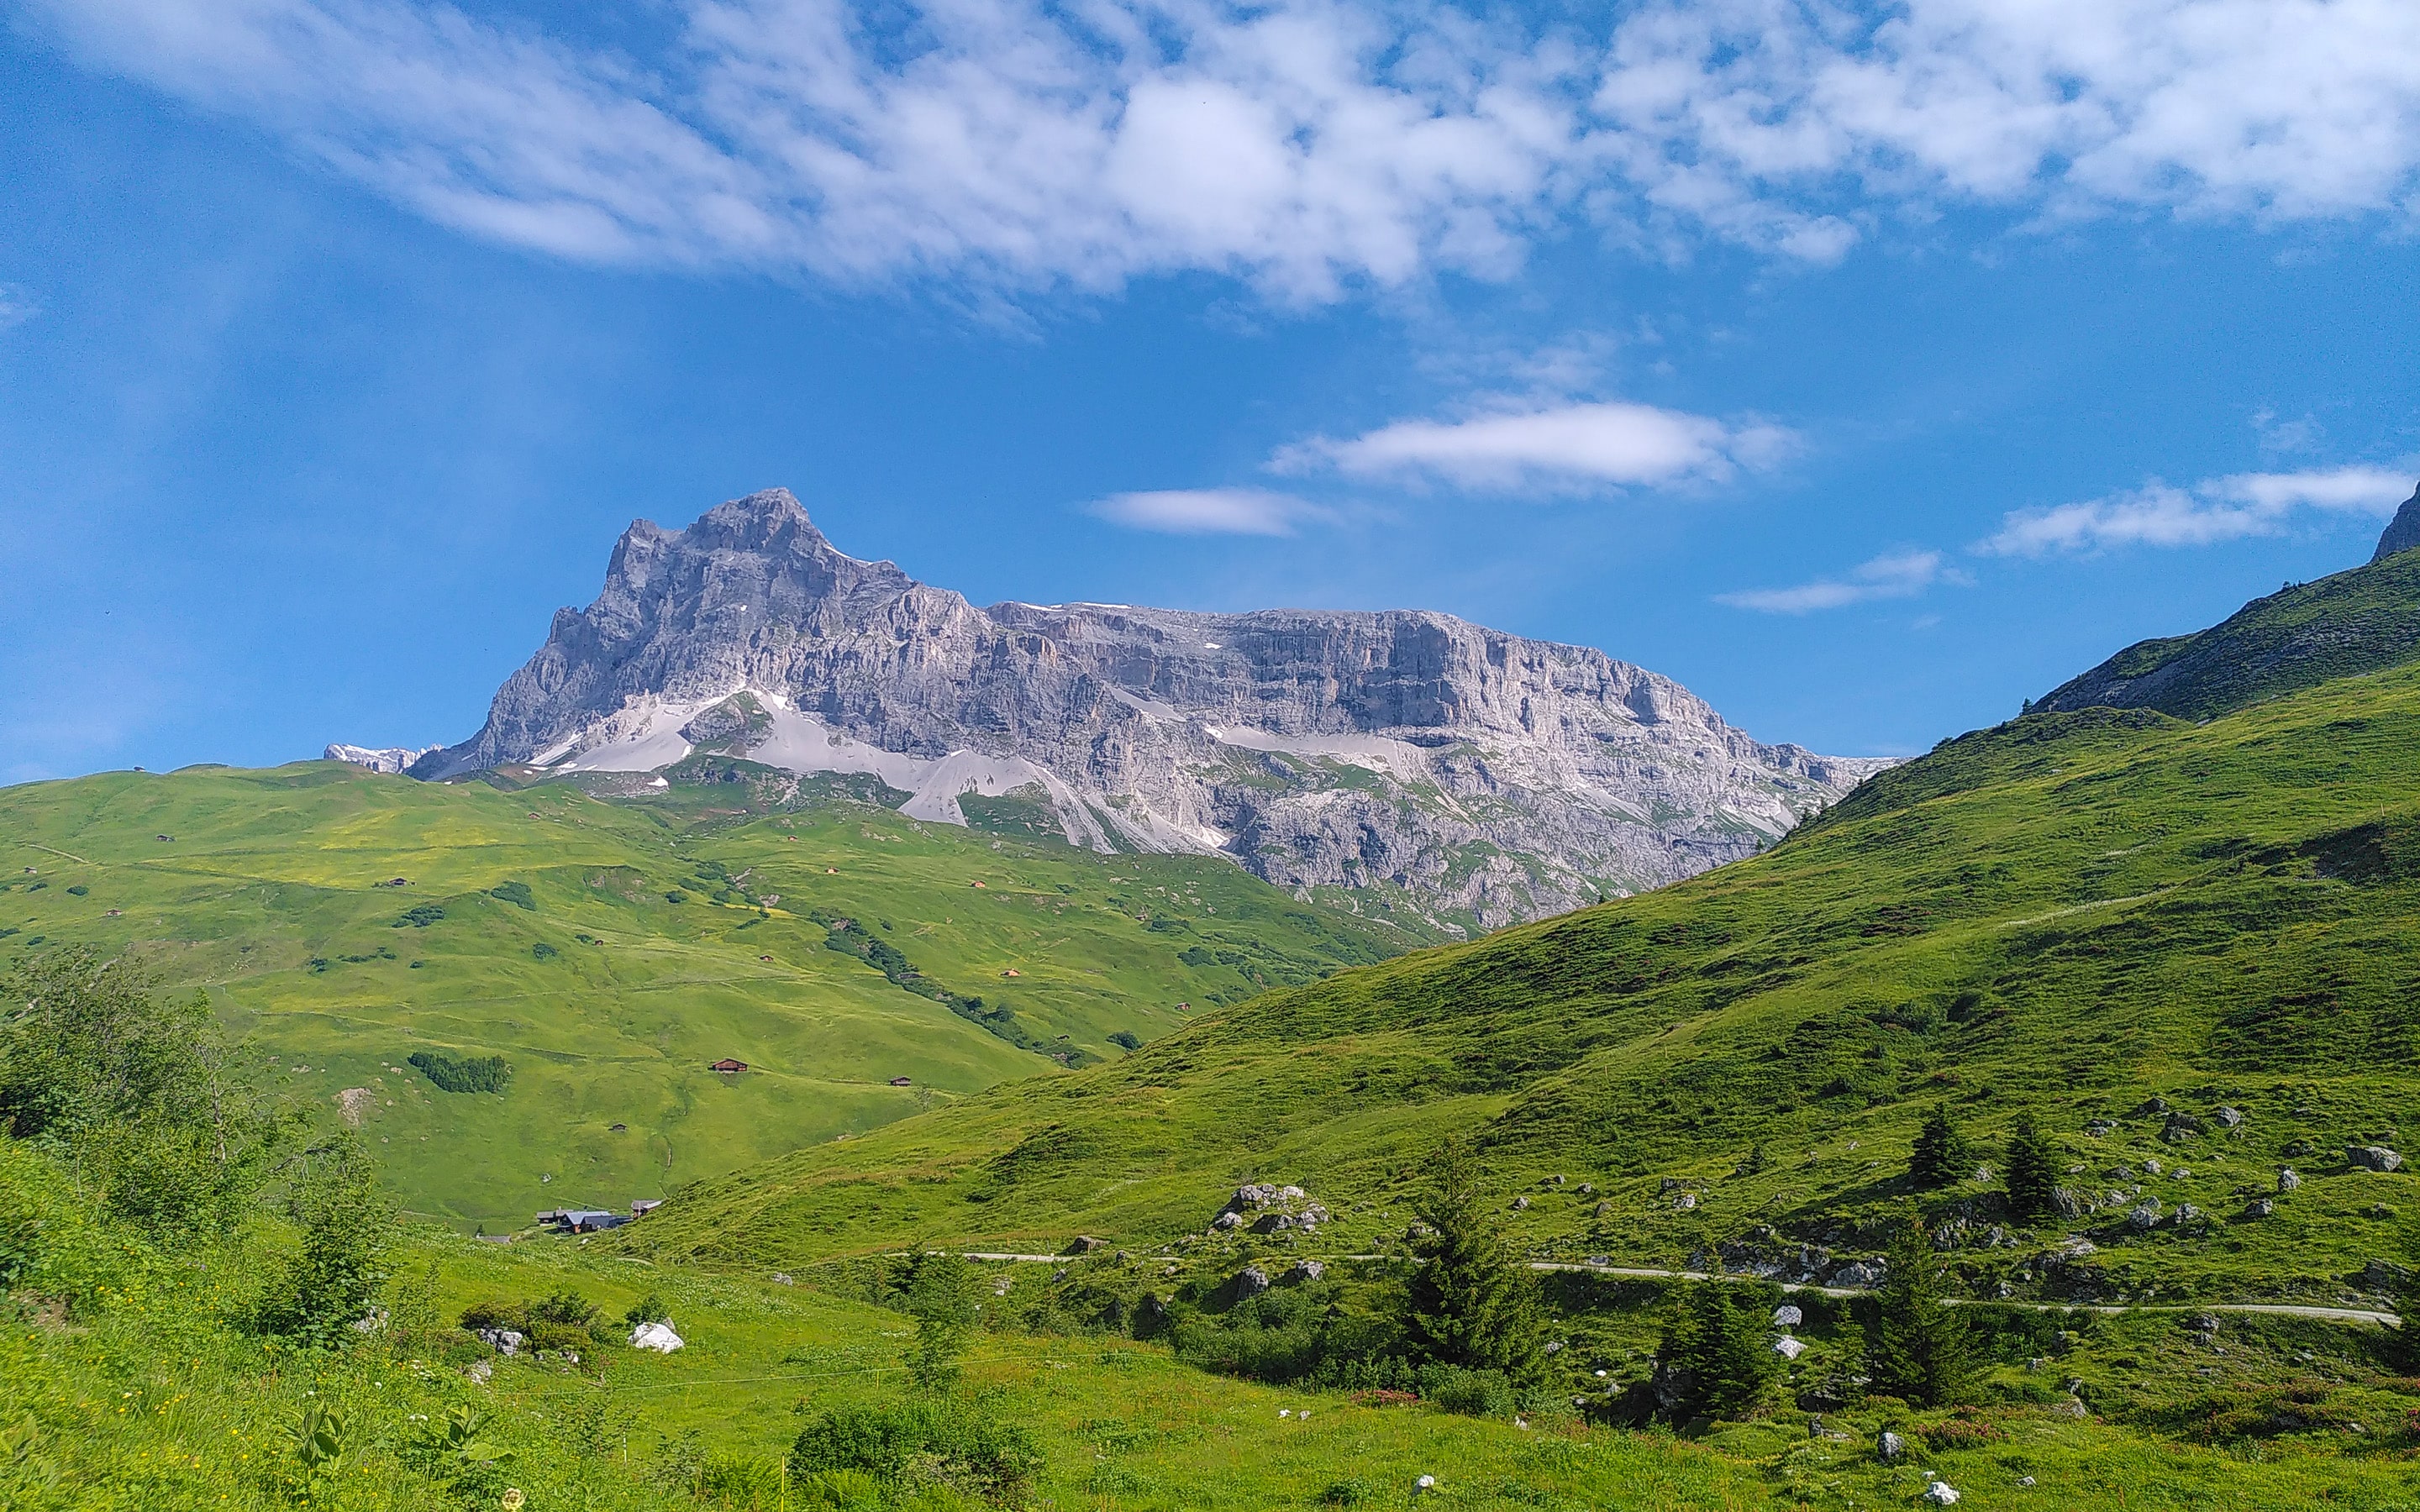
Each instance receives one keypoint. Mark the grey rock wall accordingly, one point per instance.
(1485, 777)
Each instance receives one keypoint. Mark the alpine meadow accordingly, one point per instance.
(1309, 756)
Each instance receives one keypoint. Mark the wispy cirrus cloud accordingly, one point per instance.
(1206, 511)
(1896, 575)
(1306, 147)
(2218, 509)
(1550, 447)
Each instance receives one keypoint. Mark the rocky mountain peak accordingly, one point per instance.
(1477, 776)
(2402, 532)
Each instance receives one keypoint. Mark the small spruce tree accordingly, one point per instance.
(1716, 1350)
(1942, 1156)
(2033, 1170)
(1468, 1304)
(941, 1299)
(1918, 1349)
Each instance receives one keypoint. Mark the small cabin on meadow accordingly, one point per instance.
(644, 1206)
(728, 1066)
(903, 1081)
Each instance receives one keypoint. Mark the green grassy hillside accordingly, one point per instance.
(2070, 915)
(126, 1380)
(610, 949)
(2362, 621)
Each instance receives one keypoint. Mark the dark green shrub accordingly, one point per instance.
(480, 1073)
(77, 891)
(647, 1309)
(516, 893)
(492, 1313)
(954, 1441)
(1126, 1039)
(420, 915)
(1469, 1393)
(568, 1308)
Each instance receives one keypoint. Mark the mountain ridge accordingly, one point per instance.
(2361, 620)
(1480, 776)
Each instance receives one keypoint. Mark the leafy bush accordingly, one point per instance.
(1126, 1039)
(420, 915)
(141, 1097)
(647, 1309)
(566, 1308)
(954, 1441)
(480, 1073)
(1470, 1393)
(329, 1286)
(542, 950)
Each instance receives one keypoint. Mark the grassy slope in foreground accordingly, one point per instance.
(125, 1383)
(2066, 915)
(607, 998)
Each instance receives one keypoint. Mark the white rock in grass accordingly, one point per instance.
(1787, 1316)
(1940, 1493)
(1787, 1348)
(1426, 1483)
(657, 1337)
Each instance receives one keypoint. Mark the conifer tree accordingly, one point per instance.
(941, 1299)
(1718, 1349)
(2033, 1170)
(1918, 1349)
(1468, 1304)
(1942, 1156)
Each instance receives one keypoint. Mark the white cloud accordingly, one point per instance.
(17, 305)
(1205, 511)
(1555, 446)
(1898, 575)
(1307, 147)
(2218, 509)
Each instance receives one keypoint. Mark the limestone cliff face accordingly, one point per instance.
(1484, 777)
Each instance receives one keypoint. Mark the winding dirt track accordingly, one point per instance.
(2332, 1315)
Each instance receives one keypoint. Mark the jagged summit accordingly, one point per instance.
(2402, 532)
(1485, 777)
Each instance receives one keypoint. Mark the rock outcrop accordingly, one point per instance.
(2402, 532)
(1482, 777)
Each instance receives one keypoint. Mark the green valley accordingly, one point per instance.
(610, 949)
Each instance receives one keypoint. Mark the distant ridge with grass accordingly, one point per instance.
(2189, 952)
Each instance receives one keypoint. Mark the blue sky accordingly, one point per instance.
(1869, 371)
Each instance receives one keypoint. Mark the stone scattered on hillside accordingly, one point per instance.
(2228, 1117)
(2373, 1157)
(2288, 1178)
(1227, 1221)
(1603, 1209)
(1685, 1201)
(1305, 1271)
(1251, 1281)
(1787, 1348)
(2260, 1207)
(1940, 1494)
(1085, 1245)
(1890, 1446)
(1520, 1204)
(2066, 1202)
(1867, 1272)
(1788, 1316)
(2144, 1216)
